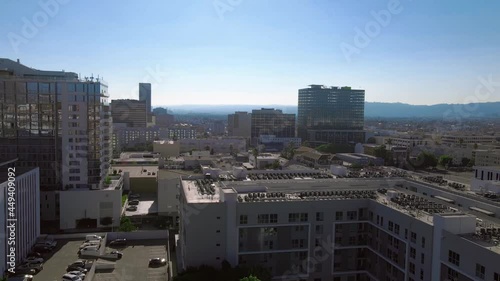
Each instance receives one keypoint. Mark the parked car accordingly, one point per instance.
(23, 277)
(133, 202)
(34, 255)
(42, 249)
(76, 268)
(27, 271)
(79, 263)
(132, 208)
(71, 277)
(48, 243)
(118, 242)
(117, 253)
(91, 243)
(134, 196)
(77, 273)
(156, 262)
(25, 266)
(33, 260)
(93, 237)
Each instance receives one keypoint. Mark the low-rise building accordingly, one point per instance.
(486, 179)
(271, 143)
(263, 160)
(467, 139)
(360, 159)
(487, 157)
(218, 145)
(167, 148)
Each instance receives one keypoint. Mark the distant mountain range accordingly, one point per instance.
(372, 109)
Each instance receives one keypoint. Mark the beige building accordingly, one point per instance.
(467, 139)
(487, 157)
(339, 229)
(167, 148)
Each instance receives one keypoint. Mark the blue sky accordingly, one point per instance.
(261, 51)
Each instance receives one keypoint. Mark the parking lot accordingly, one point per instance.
(134, 263)
(56, 262)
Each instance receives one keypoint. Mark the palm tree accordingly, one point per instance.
(255, 153)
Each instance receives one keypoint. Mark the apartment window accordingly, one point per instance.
(304, 217)
(396, 228)
(352, 240)
(421, 274)
(218, 218)
(422, 258)
(319, 216)
(243, 219)
(396, 243)
(480, 271)
(406, 233)
(391, 226)
(423, 242)
(263, 218)
(339, 216)
(352, 215)
(273, 218)
(452, 274)
(454, 258)
(319, 229)
(217, 231)
(293, 217)
(382, 221)
(413, 237)
(218, 245)
(338, 240)
(378, 219)
(413, 252)
(412, 268)
(496, 276)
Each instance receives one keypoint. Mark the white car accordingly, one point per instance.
(34, 260)
(77, 273)
(92, 243)
(71, 277)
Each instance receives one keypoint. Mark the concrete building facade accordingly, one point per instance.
(329, 229)
(145, 96)
(239, 124)
(133, 113)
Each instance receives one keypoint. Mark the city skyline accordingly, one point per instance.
(236, 52)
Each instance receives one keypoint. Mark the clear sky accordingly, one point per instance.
(263, 51)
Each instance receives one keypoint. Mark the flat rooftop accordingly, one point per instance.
(139, 171)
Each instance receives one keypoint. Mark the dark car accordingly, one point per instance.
(76, 268)
(42, 249)
(133, 202)
(156, 262)
(118, 243)
(134, 196)
(34, 255)
(132, 208)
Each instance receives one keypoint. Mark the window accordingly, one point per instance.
(396, 228)
(496, 276)
(406, 233)
(423, 242)
(218, 245)
(413, 252)
(391, 226)
(243, 219)
(412, 268)
(319, 229)
(454, 258)
(413, 237)
(319, 216)
(352, 215)
(339, 216)
(452, 274)
(217, 231)
(293, 217)
(273, 218)
(480, 271)
(422, 258)
(303, 217)
(263, 218)
(421, 274)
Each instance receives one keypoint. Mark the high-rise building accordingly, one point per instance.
(321, 228)
(270, 121)
(133, 113)
(57, 122)
(331, 115)
(145, 95)
(239, 124)
(19, 207)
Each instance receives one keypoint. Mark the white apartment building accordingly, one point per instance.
(486, 179)
(387, 229)
(467, 139)
(487, 157)
(406, 141)
(219, 145)
(27, 211)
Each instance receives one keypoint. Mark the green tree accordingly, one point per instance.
(212, 152)
(126, 225)
(425, 160)
(371, 140)
(255, 153)
(445, 160)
